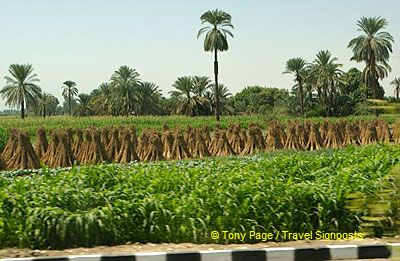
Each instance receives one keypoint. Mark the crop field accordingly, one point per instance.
(183, 201)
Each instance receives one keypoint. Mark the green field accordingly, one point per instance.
(30, 124)
(183, 201)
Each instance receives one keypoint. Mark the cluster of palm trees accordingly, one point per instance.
(322, 77)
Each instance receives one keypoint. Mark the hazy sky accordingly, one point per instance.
(86, 40)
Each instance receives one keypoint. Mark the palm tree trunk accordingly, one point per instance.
(22, 108)
(217, 105)
(44, 112)
(301, 98)
(69, 102)
(397, 93)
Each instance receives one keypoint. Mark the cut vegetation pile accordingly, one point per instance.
(122, 145)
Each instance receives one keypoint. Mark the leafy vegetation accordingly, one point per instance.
(183, 201)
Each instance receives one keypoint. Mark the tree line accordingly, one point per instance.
(321, 87)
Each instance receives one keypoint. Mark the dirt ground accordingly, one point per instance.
(130, 248)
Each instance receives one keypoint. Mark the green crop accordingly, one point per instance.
(183, 201)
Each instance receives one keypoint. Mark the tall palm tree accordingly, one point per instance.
(326, 74)
(69, 91)
(374, 48)
(125, 81)
(21, 86)
(149, 96)
(46, 104)
(217, 30)
(297, 66)
(396, 84)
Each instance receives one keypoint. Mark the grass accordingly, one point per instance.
(183, 201)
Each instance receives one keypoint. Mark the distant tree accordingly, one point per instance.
(69, 92)
(217, 30)
(221, 94)
(325, 70)
(21, 86)
(124, 82)
(46, 104)
(149, 96)
(297, 67)
(373, 48)
(102, 99)
(396, 84)
(201, 84)
(83, 108)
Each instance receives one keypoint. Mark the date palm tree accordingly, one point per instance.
(69, 92)
(297, 67)
(21, 86)
(374, 48)
(149, 95)
(125, 81)
(326, 74)
(46, 104)
(396, 84)
(200, 85)
(102, 99)
(217, 31)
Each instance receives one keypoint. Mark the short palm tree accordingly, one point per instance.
(46, 104)
(326, 74)
(149, 96)
(125, 81)
(83, 108)
(217, 31)
(200, 85)
(223, 94)
(297, 66)
(396, 84)
(374, 48)
(21, 86)
(69, 92)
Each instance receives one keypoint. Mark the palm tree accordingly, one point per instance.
(69, 91)
(373, 48)
(46, 104)
(326, 74)
(102, 99)
(149, 96)
(297, 66)
(83, 108)
(396, 84)
(200, 85)
(125, 81)
(21, 86)
(216, 31)
(222, 94)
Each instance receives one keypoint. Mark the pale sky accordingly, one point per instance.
(87, 40)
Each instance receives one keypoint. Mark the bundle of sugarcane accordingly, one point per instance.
(81, 156)
(70, 135)
(11, 145)
(180, 149)
(154, 150)
(143, 144)
(383, 132)
(105, 136)
(206, 135)
(191, 141)
(396, 132)
(133, 134)
(314, 138)
(369, 134)
(167, 140)
(64, 157)
(280, 130)
(201, 149)
(77, 146)
(323, 129)
(212, 147)
(351, 136)
(302, 134)
(41, 144)
(235, 139)
(332, 139)
(114, 145)
(2, 164)
(188, 134)
(223, 148)
(259, 136)
(272, 139)
(252, 144)
(127, 152)
(96, 152)
(50, 155)
(292, 140)
(24, 157)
